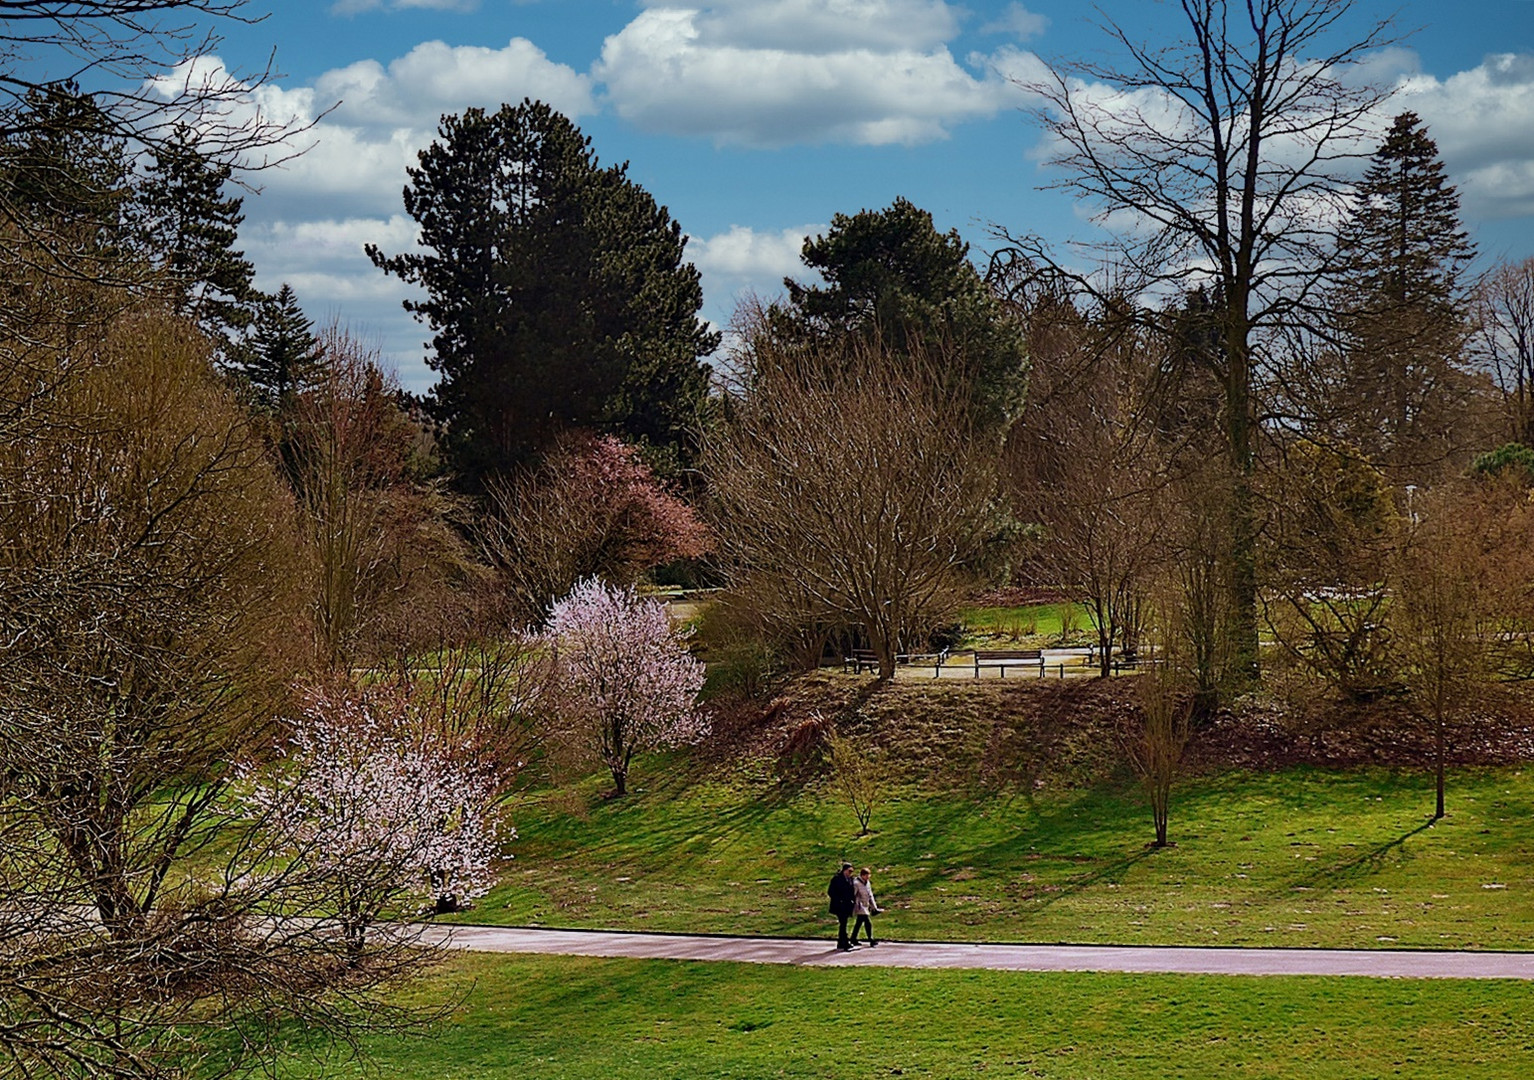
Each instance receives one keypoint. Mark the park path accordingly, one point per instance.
(1402, 964)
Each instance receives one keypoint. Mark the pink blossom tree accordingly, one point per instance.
(592, 508)
(626, 679)
(387, 822)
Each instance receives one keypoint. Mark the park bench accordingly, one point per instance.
(1129, 661)
(1003, 658)
(858, 659)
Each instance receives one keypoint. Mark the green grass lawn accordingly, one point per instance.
(563, 1018)
(1298, 858)
(1033, 624)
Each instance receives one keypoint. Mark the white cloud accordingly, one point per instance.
(1483, 122)
(433, 78)
(742, 252)
(769, 74)
(1017, 21)
(822, 26)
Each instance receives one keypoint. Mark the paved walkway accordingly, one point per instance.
(1190, 961)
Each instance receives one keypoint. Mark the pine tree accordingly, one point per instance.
(891, 273)
(64, 172)
(1401, 309)
(191, 227)
(556, 293)
(282, 357)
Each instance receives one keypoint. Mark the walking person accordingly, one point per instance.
(864, 906)
(843, 900)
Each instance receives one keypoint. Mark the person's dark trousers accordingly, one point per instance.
(841, 932)
(865, 924)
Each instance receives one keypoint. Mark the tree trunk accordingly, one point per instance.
(1438, 765)
(1239, 424)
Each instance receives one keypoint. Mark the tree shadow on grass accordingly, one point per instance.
(1357, 868)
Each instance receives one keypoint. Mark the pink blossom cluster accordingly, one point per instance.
(627, 679)
(354, 800)
(659, 526)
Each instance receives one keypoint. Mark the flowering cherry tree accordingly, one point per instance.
(627, 680)
(389, 822)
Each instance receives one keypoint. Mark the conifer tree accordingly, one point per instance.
(191, 227)
(890, 273)
(555, 290)
(1401, 309)
(64, 172)
(282, 357)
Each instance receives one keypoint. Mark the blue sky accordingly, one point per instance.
(755, 121)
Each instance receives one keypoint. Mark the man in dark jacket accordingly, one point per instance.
(841, 893)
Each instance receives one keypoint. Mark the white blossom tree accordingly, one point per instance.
(626, 679)
(392, 822)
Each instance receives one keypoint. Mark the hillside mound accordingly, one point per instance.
(1032, 733)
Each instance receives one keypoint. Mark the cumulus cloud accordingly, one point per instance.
(1483, 122)
(433, 78)
(778, 72)
(1019, 22)
(745, 254)
(822, 26)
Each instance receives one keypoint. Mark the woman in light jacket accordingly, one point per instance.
(864, 907)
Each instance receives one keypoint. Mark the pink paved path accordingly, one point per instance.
(1191, 961)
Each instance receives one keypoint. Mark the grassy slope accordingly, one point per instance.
(560, 1018)
(1301, 858)
(1013, 823)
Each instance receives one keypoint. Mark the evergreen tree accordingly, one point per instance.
(282, 357)
(191, 227)
(892, 274)
(555, 290)
(1400, 306)
(64, 172)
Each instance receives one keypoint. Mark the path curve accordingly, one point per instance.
(1400, 964)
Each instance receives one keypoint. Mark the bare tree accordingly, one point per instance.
(1505, 343)
(1086, 464)
(1223, 162)
(860, 775)
(1156, 740)
(148, 628)
(855, 491)
(1327, 566)
(1462, 572)
(379, 538)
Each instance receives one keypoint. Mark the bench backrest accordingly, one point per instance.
(1008, 654)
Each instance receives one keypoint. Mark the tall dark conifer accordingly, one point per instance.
(65, 172)
(282, 357)
(1401, 309)
(890, 273)
(191, 226)
(555, 290)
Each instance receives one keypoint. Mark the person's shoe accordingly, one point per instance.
(873, 944)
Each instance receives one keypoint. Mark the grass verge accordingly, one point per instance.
(561, 1018)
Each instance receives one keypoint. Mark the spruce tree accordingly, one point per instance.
(64, 172)
(555, 290)
(191, 226)
(282, 357)
(1401, 310)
